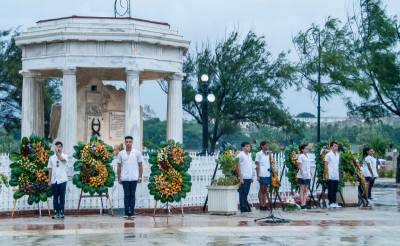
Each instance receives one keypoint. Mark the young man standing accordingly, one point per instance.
(129, 171)
(58, 178)
(245, 176)
(263, 168)
(332, 163)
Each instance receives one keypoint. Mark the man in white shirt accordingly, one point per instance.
(263, 168)
(129, 171)
(332, 163)
(245, 176)
(58, 178)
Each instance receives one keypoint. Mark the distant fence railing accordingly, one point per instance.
(201, 170)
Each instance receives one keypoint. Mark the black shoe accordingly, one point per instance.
(61, 216)
(303, 207)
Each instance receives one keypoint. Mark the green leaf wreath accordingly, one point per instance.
(93, 162)
(169, 180)
(29, 169)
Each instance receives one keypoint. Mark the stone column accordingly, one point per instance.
(174, 109)
(68, 121)
(132, 107)
(39, 106)
(28, 112)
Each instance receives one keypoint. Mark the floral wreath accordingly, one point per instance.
(291, 165)
(275, 183)
(169, 180)
(94, 166)
(29, 170)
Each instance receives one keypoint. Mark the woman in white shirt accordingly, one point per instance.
(370, 168)
(304, 173)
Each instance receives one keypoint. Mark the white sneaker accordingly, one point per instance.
(332, 205)
(337, 205)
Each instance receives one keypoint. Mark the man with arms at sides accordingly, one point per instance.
(245, 176)
(332, 164)
(263, 168)
(129, 171)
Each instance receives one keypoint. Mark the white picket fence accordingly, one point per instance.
(201, 170)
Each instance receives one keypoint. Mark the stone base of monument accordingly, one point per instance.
(223, 200)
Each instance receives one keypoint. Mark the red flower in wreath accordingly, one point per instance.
(25, 150)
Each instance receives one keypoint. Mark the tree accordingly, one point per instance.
(10, 81)
(376, 43)
(11, 86)
(324, 66)
(306, 115)
(246, 81)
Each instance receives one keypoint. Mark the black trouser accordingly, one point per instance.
(243, 193)
(58, 191)
(371, 181)
(129, 196)
(332, 189)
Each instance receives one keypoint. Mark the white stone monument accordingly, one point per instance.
(84, 51)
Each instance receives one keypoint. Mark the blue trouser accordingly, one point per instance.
(129, 196)
(243, 193)
(58, 191)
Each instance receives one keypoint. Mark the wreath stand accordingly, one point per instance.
(101, 201)
(169, 208)
(277, 196)
(39, 208)
(271, 218)
(311, 189)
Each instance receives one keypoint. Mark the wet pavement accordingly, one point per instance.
(378, 225)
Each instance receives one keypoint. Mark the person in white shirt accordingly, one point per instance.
(332, 163)
(370, 168)
(263, 168)
(57, 166)
(129, 171)
(304, 173)
(245, 175)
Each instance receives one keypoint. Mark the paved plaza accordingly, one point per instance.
(379, 225)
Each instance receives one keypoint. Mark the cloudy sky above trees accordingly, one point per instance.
(206, 20)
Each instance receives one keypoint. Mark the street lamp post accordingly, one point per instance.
(317, 37)
(204, 97)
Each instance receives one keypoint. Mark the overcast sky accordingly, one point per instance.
(205, 20)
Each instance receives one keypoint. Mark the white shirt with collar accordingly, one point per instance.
(58, 169)
(130, 164)
(246, 165)
(305, 161)
(373, 164)
(265, 164)
(333, 165)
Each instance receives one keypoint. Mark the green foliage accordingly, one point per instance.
(11, 86)
(291, 165)
(28, 169)
(228, 163)
(246, 81)
(324, 65)
(169, 179)
(10, 80)
(226, 181)
(93, 161)
(376, 45)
